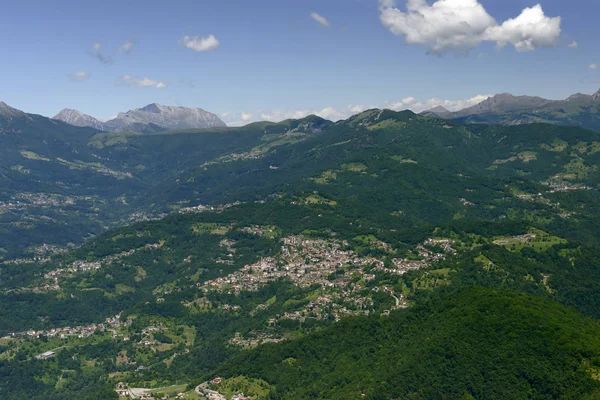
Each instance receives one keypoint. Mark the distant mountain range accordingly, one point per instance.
(577, 110)
(505, 109)
(150, 119)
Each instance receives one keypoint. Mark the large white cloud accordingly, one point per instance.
(200, 44)
(460, 25)
(133, 82)
(530, 30)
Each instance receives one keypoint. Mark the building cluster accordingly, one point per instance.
(528, 237)
(81, 331)
(340, 274)
(86, 266)
(257, 339)
(202, 208)
(561, 186)
(424, 260)
(306, 262)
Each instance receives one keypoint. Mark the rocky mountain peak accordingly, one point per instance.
(596, 96)
(77, 118)
(578, 97)
(153, 108)
(8, 111)
(169, 117)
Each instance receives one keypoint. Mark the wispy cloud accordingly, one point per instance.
(133, 82)
(200, 44)
(126, 47)
(593, 66)
(573, 45)
(460, 25)
(97, 53)
(79, 76)
(320, 19)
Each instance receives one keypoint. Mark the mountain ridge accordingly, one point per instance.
(148, 119)
(506, 109)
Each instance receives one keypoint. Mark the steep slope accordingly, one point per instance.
(479, 344)
(7, 111)
(71, 182)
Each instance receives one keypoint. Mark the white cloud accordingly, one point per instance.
(331, 113)
(530, 30)
(450, 105)
(593, 66)
(200, 44)
(460, 25)
(334, 114)
(79, 76)
(133, 82)
(573, 45)
(320, 19)
(126, 47)
(356, 109)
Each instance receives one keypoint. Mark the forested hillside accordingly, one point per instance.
(390, 255)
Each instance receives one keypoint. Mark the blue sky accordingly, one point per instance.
(275, 60)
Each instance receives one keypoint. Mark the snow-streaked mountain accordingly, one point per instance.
(76, 118)
(169, 117)
(150, 119)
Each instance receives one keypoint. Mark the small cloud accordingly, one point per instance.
(320, 19)
(246, 117)
(409, 100)
(79, 76)
(593, 66)
(133, 82)
(200, 44)
(573, 45)
(356, 109)
(126, 47)
(97, 53)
